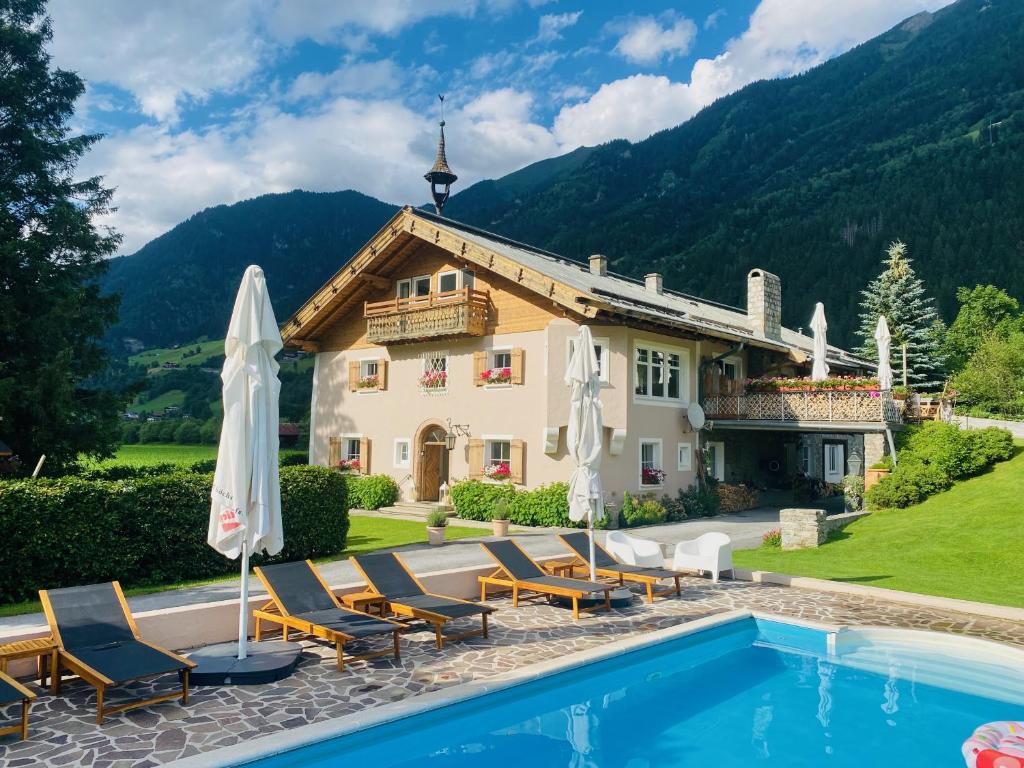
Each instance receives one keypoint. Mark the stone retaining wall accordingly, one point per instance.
(810, 527)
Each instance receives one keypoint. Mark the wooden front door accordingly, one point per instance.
(430, 490)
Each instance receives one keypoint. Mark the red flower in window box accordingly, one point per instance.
(499, 471)
(368, 382)
(349, 465)
(650, 476)
(434, 379)
(497, 376)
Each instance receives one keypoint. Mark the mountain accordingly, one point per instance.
(917, 134)
(182, 285)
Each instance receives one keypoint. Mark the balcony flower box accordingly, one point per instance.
(349, 465)
(497, 376)
(368, 382)
(433, 380)
(833, 384)
(650, 476)
(499, 471)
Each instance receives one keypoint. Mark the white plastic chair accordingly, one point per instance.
(710, 552)
(634, 551)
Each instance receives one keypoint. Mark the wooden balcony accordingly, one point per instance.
(811, 406)
(452, 313)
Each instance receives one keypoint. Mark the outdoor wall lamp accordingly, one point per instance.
(455, 431)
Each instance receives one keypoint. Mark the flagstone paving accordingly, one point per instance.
(64, 733)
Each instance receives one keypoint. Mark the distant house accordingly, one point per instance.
(170, 365)
(441, 350)
(288, 434)
(130, 416)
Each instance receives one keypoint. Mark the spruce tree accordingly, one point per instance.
(52, 314)
(899, 294)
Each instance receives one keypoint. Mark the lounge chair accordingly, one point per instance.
(710, 552)
(305, 603)
(97, 639)
(606, 565)
(632, 550)
(519, 572)
(11, 691)
(388, 576)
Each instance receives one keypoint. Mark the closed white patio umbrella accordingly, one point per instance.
(883, 340)
(819, 370)
(584, 435)
(245, 514)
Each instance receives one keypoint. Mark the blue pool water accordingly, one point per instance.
(741, 694)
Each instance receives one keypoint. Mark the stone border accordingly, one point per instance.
(306, 735)
(988, 610)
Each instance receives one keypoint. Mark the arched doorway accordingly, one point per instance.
(431, 462)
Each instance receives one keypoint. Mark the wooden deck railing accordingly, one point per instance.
(810, 405)
(450, 313)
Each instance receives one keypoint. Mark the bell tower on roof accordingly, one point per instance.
(440, 175)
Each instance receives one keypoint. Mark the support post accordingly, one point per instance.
(243, 605)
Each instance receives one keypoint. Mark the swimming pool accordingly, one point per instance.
(747, 692)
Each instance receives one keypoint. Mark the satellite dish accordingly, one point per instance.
(695, 415)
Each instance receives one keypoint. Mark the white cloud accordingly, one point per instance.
(712, 18)
(644, 39)
(380, 77)
(551, 25)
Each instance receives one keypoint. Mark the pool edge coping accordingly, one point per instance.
(273, 744)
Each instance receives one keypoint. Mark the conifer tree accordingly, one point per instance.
(899, 294)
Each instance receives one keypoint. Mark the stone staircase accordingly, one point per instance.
(413, 510)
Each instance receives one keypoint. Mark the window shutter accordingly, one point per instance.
(334, 454)
(364, 455)
(479, 366)
(476, 458)
(517, 366)
(353, 376)
(516, 463)
(382, 375)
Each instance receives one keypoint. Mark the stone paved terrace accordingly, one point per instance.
(63, 730)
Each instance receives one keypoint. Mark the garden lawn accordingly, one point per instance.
(365, 534)
(965, 543)
(161, 453)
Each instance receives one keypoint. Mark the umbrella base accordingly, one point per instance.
(264, 663)
(621, 598)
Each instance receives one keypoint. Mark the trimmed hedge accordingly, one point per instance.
(147, 530)
(371, 491)
(934, 455)
(545, 506)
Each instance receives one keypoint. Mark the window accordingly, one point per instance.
(414, 286)
(447, 281)
(601, 347)
(661, 374)
(350, 449)
(714, 454)
(498, 458)
(501, 359)
(805, 460)
(402, 452)
(651, 473)
(367, 368)
(435, 372)
(684, 457)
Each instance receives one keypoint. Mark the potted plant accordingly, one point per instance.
(437, 520)
(499, 517)
(876, 472)
(900, 392)
(853, 493)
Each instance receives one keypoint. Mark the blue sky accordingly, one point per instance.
(213, 101)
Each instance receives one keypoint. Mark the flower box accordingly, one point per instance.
(349, 465)
(434, 380)
(833, 384)
(652, 476)
(500, 471)
(497, 376)
(368, 382)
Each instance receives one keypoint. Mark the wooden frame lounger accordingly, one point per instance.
(12, 691)
(97, 639)
(607, 566)
(301, 600)
(388, 576)
(520, 573)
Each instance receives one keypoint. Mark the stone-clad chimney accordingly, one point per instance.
(764, 303)
(599, 264)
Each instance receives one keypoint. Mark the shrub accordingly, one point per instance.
(371, 491)
(187, 433)
(910, 483)
(547, 505)
(148, 529)
(992, 444)
(293, 457)
(127, 471)
(474, 500)
(853, 490)
(130, 432)
(203, 466)
(150, 432)
(772, 539)
(674, 508)
(437, 518)
(646, 512)
(700, 502)
(941, 445)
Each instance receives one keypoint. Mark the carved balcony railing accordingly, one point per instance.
(810, 405)
(451, 313)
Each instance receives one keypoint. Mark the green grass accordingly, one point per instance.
(154, 358)
(143, 454)
(158, 403)
(366, 534)
(963, 543)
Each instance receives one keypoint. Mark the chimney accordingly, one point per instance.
(598, 264)
(652, 282)
(764, 304)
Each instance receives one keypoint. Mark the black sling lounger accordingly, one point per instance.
(608, 566)
(519, 572)
(11, 691)
(306, 604)
(98, 640)
(388, 576)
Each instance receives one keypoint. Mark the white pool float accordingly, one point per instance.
(996, 745)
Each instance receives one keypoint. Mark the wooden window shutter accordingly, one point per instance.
(353, 376)
(476, 458)
(382, 375)
(479, 366)
(517, 448)
(334, 453)
(517, 366)
(364, 455)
